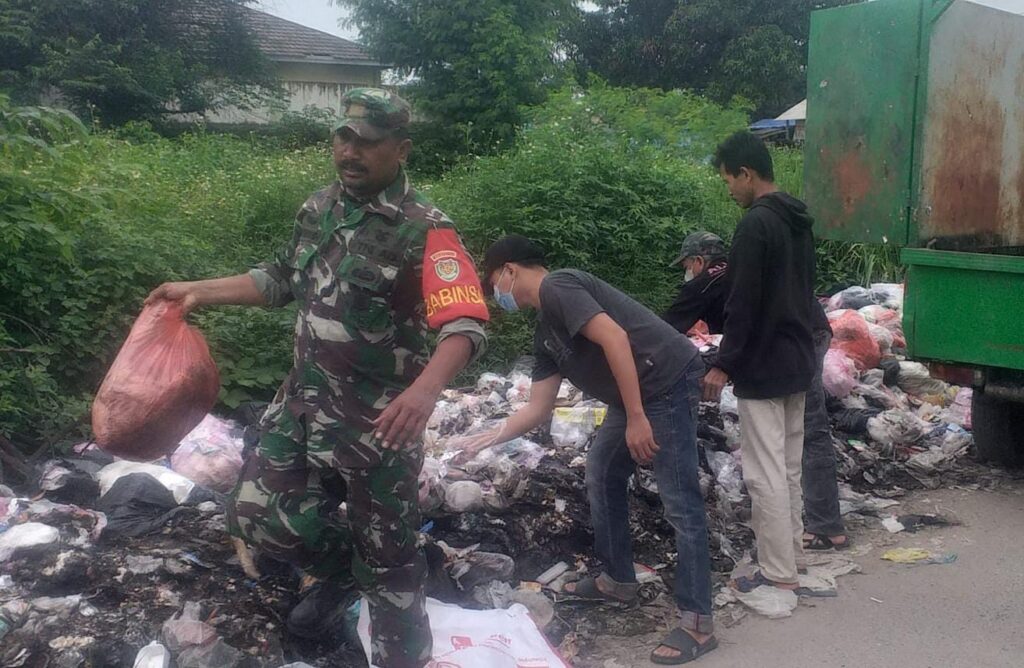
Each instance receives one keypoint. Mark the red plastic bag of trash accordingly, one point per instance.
(851, 335)
(161, 385)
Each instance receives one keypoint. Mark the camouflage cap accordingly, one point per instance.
(373, 113)
(702, 244)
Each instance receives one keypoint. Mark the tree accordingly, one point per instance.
(131, 59)
(756, 49)
(472, 64)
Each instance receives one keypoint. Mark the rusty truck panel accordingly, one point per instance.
(972, 158)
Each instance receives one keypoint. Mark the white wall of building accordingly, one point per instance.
(318, 85)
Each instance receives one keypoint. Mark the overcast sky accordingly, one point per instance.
(319, 14)
(322, 15)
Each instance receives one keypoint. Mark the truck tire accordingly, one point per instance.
(998, 428)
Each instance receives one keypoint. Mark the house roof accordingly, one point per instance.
(798, 112)
(283, 40)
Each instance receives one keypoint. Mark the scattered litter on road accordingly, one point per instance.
(913, 555)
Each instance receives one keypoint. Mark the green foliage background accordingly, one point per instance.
(609, 180)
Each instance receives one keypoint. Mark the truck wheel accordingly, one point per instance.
(998, 428)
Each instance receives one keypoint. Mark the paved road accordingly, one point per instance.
(969, 614)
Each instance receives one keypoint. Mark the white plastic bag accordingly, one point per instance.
(25, 538)
(476, 638)
(572, 426)
(211, 454)
(153, 655)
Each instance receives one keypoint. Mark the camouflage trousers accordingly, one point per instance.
(283, 505)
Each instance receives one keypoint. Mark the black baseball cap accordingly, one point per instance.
(511, 248)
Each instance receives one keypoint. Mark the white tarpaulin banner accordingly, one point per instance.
(474, 638)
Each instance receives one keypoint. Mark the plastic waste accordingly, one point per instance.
(211, 454)
(475, 638)
(431, 495)
(137, 504)
(915, 379)
(463, 496)
(727, 473)
(839, 374)
(914, 555)
(896, 427)
(153, 655)
(727, 402)
(178, 485)
(883, 337)
(851, 335)
(28, 538)
(854, 297)
(889, 295)
(772, 602)
(186, 629)
(572, 426)
(160, 386)
(217, 654)
(959, 410)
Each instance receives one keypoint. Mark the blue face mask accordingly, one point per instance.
(505, 299)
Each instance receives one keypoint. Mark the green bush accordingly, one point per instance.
(90, 223)
(607, 180)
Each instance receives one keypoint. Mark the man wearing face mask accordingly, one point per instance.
(702, 294)
(617, 350)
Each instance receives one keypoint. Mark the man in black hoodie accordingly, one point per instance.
(702, 297)
(768, 351)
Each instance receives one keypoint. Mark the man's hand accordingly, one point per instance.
(640, 440)
(471, 445)
(401, 424)
(713, 382)
(183, 293)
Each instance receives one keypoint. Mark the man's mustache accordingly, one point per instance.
(350, 166)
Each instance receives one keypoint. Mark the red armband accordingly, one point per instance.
(451, 288)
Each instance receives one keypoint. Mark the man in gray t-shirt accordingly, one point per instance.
(569, 299)
(617, 350)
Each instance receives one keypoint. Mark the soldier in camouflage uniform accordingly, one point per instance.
(355, 404)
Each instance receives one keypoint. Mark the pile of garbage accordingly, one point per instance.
(114, 563)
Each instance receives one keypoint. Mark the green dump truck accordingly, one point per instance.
(915, 137)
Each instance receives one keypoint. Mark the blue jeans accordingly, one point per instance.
(673, 418)
(820, 485)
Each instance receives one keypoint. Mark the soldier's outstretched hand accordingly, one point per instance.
(401, 424)
(183, 293)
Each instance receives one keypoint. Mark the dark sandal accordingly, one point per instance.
(822, 543)
(689, 649)
(747, 584)
(587, 590)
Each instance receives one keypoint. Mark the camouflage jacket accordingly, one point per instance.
(361, 330)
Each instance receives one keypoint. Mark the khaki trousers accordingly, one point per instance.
(772, 443)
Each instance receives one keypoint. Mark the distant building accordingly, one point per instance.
(787, 127)
(315, 69)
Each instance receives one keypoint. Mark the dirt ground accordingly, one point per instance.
(966, 614)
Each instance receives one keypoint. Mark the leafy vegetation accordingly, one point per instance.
(747, 48)
(608, 179)
(89, 224)
(472, 64)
